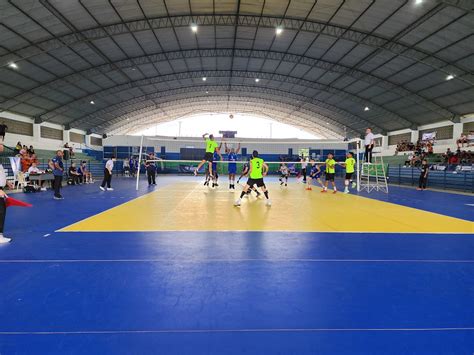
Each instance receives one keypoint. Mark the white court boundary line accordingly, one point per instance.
(45, 261)
(254, 330)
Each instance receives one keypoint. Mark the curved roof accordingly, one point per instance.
(319, 63)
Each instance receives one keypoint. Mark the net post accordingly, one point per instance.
(357, 142)
(139, 163)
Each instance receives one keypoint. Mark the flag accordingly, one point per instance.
(10, 201)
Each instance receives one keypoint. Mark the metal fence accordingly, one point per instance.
(447, 179)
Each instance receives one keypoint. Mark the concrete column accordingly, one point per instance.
(457, 130)
(88, 140)
(414, 136)
(36, 132)
(66, 138)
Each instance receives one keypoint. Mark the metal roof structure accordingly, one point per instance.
(329, 66)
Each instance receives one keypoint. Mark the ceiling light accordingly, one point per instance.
(418, 2)
(207, 92)
(13, 65)
(450, 77)
(92, 102)
(194, 27)
(204, 78)
(257, 80)
(366, 108)
(278, 30)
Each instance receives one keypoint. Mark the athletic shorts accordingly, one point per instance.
(232, 168)
(284, 176)
(209, 157)
(214, 167)
(349, 176)
(315, 176)
(258, 182)
(330, 176)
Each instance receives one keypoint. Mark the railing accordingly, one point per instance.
(461, 180)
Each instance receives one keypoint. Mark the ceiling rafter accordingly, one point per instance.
(241, 74)
(225, 52)
(188, 106)
(283, 96)
(332, 30)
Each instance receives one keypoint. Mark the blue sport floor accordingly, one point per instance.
(232, 292)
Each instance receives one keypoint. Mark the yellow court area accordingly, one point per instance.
(189, 206)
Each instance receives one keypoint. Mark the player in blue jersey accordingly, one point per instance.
(215, 174)
(314, 174)
(232, 166)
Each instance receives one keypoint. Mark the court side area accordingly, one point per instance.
(176, 269)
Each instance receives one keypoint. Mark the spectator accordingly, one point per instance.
(423, 176)
(133, 163)
(447, 155)
(31, 150)
(74, 176)
(85, 173)
(34, 170)
(126, 166)
(462, 140)
(17, 148)
(58, 172)
(3, 129)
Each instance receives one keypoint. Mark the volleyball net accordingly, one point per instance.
(191, 154)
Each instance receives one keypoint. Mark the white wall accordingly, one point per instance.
(441, 145)
(36, 140)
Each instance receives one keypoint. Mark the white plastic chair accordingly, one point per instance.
(21, 180)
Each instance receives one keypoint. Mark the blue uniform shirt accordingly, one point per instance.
(59, 161)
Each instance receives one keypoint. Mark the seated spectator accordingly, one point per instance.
(447, 155)
(453, 160)
(85, 173)
(429, 148)
(74, 176)
(126, 166)
(462, 140)
(17, 149)
(34, 170)
(70, 149)
(31, 150)
(25, 160)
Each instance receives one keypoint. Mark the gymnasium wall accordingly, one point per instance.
(47, 136)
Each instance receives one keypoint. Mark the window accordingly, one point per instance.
(445, 132)
(18, 127)
(51, 133)
(397, 138)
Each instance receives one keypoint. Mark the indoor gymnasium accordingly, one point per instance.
(236, 177)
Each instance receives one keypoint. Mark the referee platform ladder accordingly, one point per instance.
(373, 176)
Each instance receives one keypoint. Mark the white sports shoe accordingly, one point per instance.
(4, 240)
(238, 202)
(269, 203)
(346, 191)
(195, 172)
(102, 188)
(110, 189)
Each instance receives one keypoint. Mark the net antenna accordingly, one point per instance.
(139, 162)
